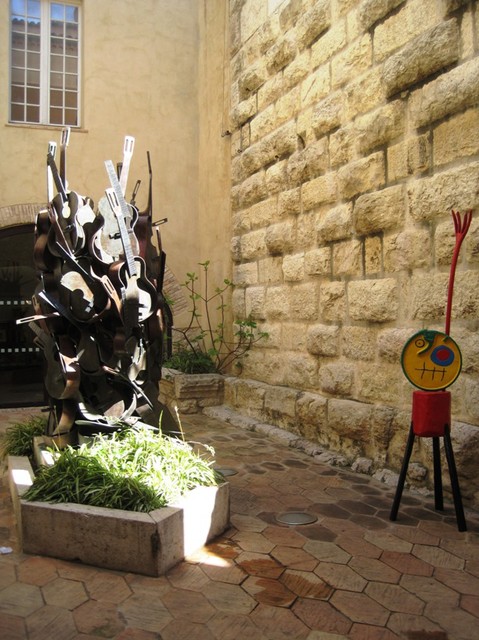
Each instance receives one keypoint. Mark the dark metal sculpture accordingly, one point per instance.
(101, 318)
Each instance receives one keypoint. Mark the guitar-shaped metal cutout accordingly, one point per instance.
(107, 246)
(138, 293)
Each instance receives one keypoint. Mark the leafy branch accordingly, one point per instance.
(204, 347)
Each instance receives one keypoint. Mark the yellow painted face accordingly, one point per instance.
(431, 360)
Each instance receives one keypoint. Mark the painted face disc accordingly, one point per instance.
(431, 360)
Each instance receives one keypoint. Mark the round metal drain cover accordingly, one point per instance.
(296, 517)
(227, 472)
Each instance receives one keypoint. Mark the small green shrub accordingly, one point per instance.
(203, 347)
(18, 438)
(134, 469)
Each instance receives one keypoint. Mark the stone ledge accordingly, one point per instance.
(145, 543)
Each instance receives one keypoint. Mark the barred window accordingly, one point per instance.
(45, 62)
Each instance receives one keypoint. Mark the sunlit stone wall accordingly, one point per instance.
(355, 131)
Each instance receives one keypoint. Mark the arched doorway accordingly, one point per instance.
(21, 360)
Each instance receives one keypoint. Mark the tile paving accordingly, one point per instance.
(351, 574)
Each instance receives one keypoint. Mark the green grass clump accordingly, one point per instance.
(18, 438)
(134, 469)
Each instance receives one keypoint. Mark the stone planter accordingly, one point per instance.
(145, 543)
(191, 392)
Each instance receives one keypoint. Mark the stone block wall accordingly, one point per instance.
(354, 133)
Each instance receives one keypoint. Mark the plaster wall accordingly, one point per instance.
(140, 77)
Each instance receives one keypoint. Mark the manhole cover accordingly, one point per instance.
(227, 472)
(296, 517)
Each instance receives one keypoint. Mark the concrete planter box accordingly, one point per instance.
(145, 543)
(191, 392)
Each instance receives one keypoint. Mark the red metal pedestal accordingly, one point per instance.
(431, 417)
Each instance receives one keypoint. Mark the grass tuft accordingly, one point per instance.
(134, 469)
(18, 438)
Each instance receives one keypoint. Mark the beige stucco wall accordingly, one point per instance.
(140, 69)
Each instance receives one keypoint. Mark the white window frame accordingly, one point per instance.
(45, 67)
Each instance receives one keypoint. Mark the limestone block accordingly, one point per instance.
(347, 258)
(263, 365)
(362, 175)
(444, 241)
(391, 343)
(289, 202)
(200, 385)
(305, 236)
(261, 214)
(319, 191)
(332, 298)
(379, 382)
(468, 342)
(280, 400)
(304, 301)
(428, 295)
(471, 243)
(359, 343)
(311, 413)
(293, 267)
(337, 378)
(251, 79)
(272, 89)
(371, 11)
(297, 70)
(235, 248)
(253, 189)
(466, 302)
(253, 244)
(421, 57)
(276, 177)
(436, 196)
(308, 163)
(363, 93)
(312, 23)
(287, 106)
(465, 442)
(350, 419)
(238, 303)
(332, 41)
(410, 249)
(334, 224)
(254, 302)
(270, 270)
(450, 141)
(288, 14)
(315, 86)
(409, 157)
(380, 126)
(328, 114)
(373, 300)
(467, 35)
(279, 238)
(245, 274)
(352, 61)
(323, 340)
(243, 111)
(277, 304)
(281, 143)
(412, 19)
(274, 330)
(236, 198)
(342, 145)
(317, 262)
(293, 336)
(253, 16)
(380, 210)
(300, 371)
(373, 255)
(263, 124)
(281, 54)
(449, 93)
(250, 393)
